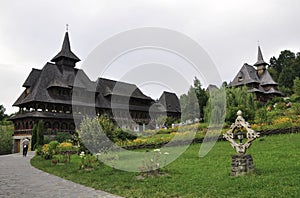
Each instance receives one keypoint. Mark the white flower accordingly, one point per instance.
(156, 150)
(166, 153)
(151, 160)
(81, 154)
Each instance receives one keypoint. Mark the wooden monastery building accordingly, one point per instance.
(257, 79)
(59, 94)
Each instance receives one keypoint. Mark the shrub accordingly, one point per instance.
(296, 108)
(48, 150)
(240, 99)
(47, 139)
(5, 139)
(261, 115)
(65, 146)
(46, 154)
(282, 122)
(63, 136)
(87, 161)
(38, 150)
(120, 134)
(66, 149)
(53, 147)
(98, 134)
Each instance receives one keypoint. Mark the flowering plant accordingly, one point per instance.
(153, 162)
(86, 161)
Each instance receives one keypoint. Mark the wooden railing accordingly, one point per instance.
(46, 132)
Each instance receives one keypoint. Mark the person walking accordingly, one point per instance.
(25, 144)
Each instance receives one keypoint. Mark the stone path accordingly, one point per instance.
(19, 179)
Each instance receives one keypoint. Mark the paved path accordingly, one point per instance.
(19, 179)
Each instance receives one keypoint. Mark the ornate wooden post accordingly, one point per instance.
(241, 162)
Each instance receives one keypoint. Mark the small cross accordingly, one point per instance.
(258, 42)
(67, 27)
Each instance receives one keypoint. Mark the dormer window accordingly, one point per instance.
(240, 77)
(27, 91)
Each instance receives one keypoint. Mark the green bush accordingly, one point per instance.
(6, 133)
(296, 108)
(248, 113)
(262, 115)
(38, 150)
(53, 147)
(63, 136)
(120, 134)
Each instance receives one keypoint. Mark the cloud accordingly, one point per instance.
(31, 31)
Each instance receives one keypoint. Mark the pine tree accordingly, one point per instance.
(33, 137)
(40, 133)
(201, 96)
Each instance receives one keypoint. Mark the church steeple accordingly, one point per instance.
(260, 59)
(260, 63)
(66, 56)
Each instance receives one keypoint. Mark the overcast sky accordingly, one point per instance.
(31, 32)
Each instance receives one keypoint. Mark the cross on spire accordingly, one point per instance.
(67, 27)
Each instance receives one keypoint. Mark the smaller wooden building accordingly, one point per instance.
(257, 79)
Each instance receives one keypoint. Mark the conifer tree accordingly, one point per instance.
(33, 137)
(40, 133)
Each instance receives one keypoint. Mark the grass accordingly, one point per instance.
(277, 173)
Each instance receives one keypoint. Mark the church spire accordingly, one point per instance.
(260, 59)
(66, 56)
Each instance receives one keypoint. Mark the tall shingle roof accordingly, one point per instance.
(31, 79)
(111, 87)
(65, 52)
(266, 79)
(170, 101)
(246, 75)
(260, 59)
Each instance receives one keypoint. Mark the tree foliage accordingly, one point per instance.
(189, 105)
(40, 133)
(240, 99)
(202, 97)
(161, 120)
(286, 77)
(2, 112)
(193, 103)
(6, 133)
(285, 69)
(296, 87)
(33, 137)
(99, 134)
(216, 107)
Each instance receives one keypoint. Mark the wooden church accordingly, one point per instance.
(257, 79)
(59, 94)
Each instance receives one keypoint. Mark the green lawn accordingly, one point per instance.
(277, 173)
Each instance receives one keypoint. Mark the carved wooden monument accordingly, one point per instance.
(241, 162)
